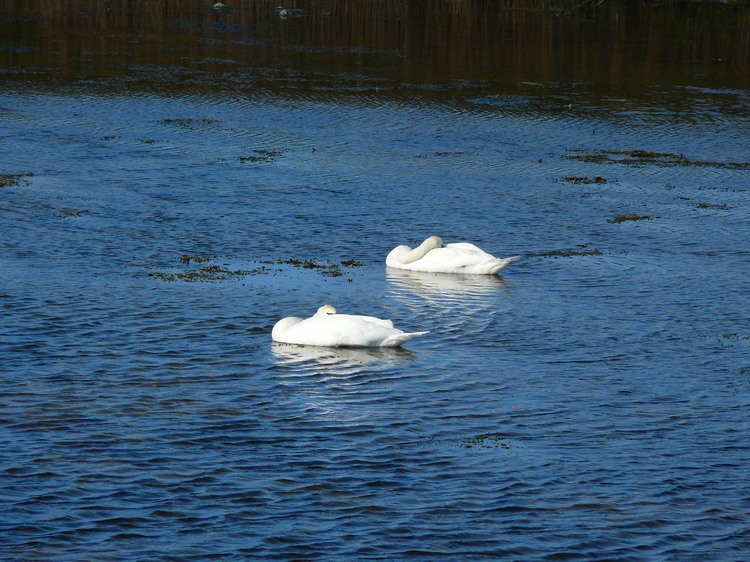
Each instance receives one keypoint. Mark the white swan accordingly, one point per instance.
(433, 257)
(329, 329)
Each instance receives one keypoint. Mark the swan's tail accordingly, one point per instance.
(397, 339)
(500, 264)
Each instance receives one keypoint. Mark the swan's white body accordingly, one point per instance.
(432, 256)
(329, 329)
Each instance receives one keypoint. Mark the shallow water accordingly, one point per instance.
(591, 403)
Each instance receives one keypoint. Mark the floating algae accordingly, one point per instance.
(582, 180)
(261, 155)
(486, 441)
(715, 206)
(187, 122)
(68, 213)
(13, 180)
(208, 273)
(643, 157)
(214, 272)
(329, 268)
(197, 259)
(630, 217)
(568, 253)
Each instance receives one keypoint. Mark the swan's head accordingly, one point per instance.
(326, 310)
(433, 242)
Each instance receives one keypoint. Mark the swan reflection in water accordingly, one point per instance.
(454, 304)
(337, 360)
(338, 387)
(446, 285)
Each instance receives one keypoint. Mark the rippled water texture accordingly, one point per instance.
(174, 179)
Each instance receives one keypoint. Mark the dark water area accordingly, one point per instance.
(174, 178)
(432, 49)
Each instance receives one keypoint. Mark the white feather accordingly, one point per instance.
(329, 329)
(433, 257)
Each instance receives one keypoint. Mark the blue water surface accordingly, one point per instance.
(592, 403)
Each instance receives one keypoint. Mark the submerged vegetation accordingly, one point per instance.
(486, 441)
(205, 273)
(329, 268)
(630, 217)
(68, 213)
(732, 336)
(569, 253)
(261, 155)
(643, 157)
(209, 272)
(187, 122)
(582, 180)
(13, 180)
(481, 441)
(714, 206)
(197, 259)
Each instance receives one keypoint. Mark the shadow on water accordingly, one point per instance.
(388, 47)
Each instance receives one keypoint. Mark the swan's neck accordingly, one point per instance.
(419, 252)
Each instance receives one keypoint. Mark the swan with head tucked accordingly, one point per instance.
(329, 329)
(432, 256)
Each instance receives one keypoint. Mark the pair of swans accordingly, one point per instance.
(328, 328)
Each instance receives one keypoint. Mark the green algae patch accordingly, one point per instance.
(261, 155)
(197, 259)
(647, 157)
(630, 218)
(732, 336)
(477, 442)
(69, 213)
(583, 180)
(198, 268)
(187, 122)
(486, 441)
(713, 206)
(328, 268)
(569, 253)
(206, 274)
(14, 180)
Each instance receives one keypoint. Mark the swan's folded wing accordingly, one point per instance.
(373, 319)
(453, 257)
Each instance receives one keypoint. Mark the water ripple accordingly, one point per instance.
(589, 403)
